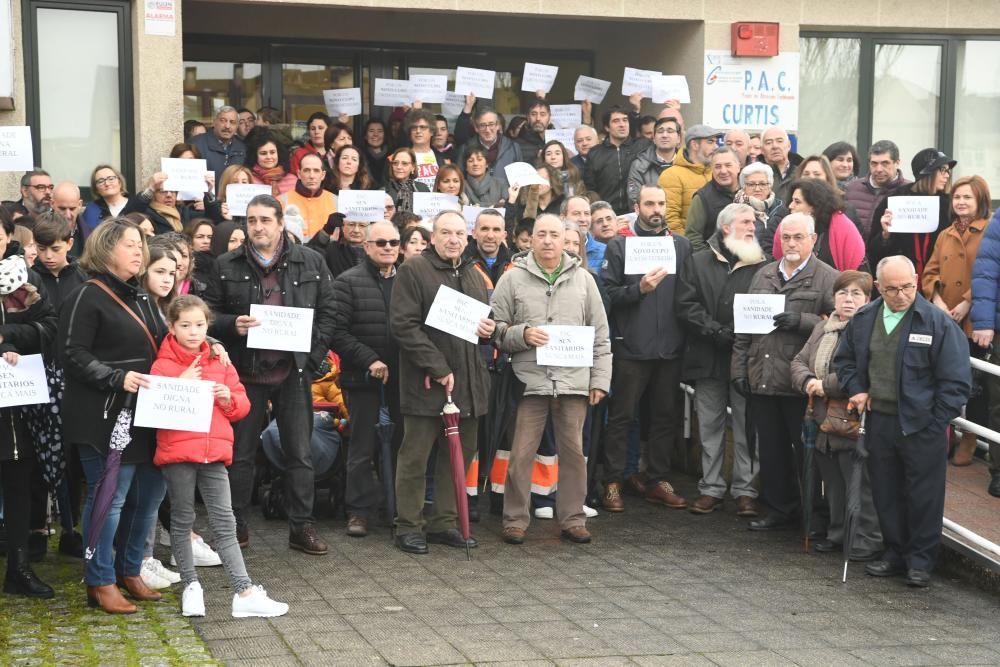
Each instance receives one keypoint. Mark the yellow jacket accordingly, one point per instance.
(325, 388)
(680, 181)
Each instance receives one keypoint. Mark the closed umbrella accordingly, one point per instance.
(104, 492)
(384, 429)
(852, 508)
(810, 430)
(450, 415)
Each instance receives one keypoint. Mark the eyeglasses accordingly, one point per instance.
(106, 180)
(381, 243)
(488, 126)
(945, 169)
(798, 238)
(401, 163)
(756, 186)
(896, 291)
(42, 188)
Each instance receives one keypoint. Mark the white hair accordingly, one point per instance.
(226, 109)
(756, 168)
(801, 217)
(894, 258)
(727, 216)
(773, 130)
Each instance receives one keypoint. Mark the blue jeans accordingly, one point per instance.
(133, 510)
(324, 444)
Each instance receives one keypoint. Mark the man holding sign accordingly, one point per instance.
(649, 342)
(548, 287)
(434, 365)
(269, 270)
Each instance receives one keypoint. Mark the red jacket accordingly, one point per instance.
(217, 444)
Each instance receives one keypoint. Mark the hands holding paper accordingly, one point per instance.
(244, 323)
(886, 223)
(788, 321)
(11, 358)
(535, 336)
(651, 280)
(133, 381)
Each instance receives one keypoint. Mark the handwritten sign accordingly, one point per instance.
(175, 404)
(914, 215)
(751, 93)
(538, 77)
(429, 204)
(589, 89)
(568, 346)
(454, 104)
(471, 213)
(566, 116)
(184, 174)
(670, 87)
(456, 314)
(362, 205)
(754, 313)
(281, 328)
(342, 101)
(238, 195)
(23, 384)
(522, 174)
(566, 137)
(645, 253)
(472, 81)
(429, 88)
(15, 149)
(638, 81)
(392, 93)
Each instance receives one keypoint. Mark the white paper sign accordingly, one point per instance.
(457, 314)
(454, 104)
(362, 205)
(472, 81)
(281, 328)
(671, 87)
(470, 213)
(15, 149)
(638, 81)
(342, 101)
(25, 383)
(429, 88)
(429, 204)
(392, 93)
(184, 174)
(238, 195)
(914, 215)
(751, 93)
(754, 313)
(565, 116)
(522, 174)
(645, 253)
(538, 77)
(568, 346)
(590, 89)
(566, 137)
(160, 17)
(175, 404)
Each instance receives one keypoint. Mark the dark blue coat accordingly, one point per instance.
(934, 378)
(985, 313)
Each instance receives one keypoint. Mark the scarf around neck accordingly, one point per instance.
(272, 176)
(168, 213)
(266, 265)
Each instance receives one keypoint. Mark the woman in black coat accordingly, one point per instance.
(106, 348)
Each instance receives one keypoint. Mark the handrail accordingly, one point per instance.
(975, 538)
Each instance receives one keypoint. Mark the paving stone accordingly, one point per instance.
(895, 655)
(756, 658)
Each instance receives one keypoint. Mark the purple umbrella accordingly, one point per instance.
(104, 493)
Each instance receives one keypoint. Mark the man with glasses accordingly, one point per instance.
(690, 171)
(369, 365)
(716, 195)
(341, 242)
(36, 192)
(603, 228)
(656, 158)
(864, 194)
(221, 147)
(761, 366)
(906, 363)
(500, 150)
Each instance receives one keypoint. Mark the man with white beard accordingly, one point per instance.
(705, 293)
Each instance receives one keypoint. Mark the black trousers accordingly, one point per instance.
(778, 421)
(15, 476)
(364, 490)
(908, 482)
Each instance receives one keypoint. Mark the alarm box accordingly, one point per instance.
(755, 39)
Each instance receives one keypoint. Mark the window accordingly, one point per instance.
(977, 108)
(303, 86)
(210, 85)
(907, 96)
(828, 107)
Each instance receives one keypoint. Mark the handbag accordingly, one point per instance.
(841, 420)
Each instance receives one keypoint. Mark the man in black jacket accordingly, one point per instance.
(714, 196)
(369, 364)
(608, 163)
(268, 269)
(705, 295)
(341, 243)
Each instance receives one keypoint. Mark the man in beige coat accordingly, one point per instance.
(548, 287)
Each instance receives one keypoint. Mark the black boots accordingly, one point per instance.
(20, 580)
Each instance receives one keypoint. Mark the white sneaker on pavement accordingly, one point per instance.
(544, 513)
(203, 555)
(589, 511)
(257, 604)
(163, 573)
(151, 578)
(193, 600)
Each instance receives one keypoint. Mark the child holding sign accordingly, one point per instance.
(190, 459)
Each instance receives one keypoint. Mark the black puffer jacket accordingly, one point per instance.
(361, 333)
(339, 255)
(607, 170)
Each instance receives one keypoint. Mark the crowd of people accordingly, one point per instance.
(149, 281)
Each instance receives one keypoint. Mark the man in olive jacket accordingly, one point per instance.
(435, 365)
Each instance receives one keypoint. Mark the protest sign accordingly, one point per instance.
(429, 88)
(23, 384)
(392, 93)
(15, 149)
(645, 253)
(281, 328)
(638, 81)
(754, 313)
(176, 404)
(566, 137)
(670, 87)
(914, 215)
(589, 89)
(238, 195)
(456, 314)
(566, 116)
(184, 174)
(429, 204)
(522, 174)
(342, 101)
(751, 93)
(470, 213)
(569, 346)
(538, 77)
(472, 81)
(362, 205)
(454, 104)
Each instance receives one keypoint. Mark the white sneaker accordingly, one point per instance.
(257, 604)
(162, 572)
(193, 600)
(544, 513)
(151, 578)
(203, 555)
(589, 511)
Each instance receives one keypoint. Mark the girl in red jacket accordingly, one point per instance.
(190, 460)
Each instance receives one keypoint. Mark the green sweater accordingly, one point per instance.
(883, 383)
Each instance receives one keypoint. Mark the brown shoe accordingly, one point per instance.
(512, 535)
(306, 540)
(663, 494)
(138, 589)
(577, 534)
(110, 599)
(966, 450)
(635, 485)
(357, 526)
(613, 498)
(705, 505)
(746, 506)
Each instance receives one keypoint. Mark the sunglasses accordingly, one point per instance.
(381, 243)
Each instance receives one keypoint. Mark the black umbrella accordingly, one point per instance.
(505, 390)
(44, 422)
(810, 430)
(852, 508)
(384, 429)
